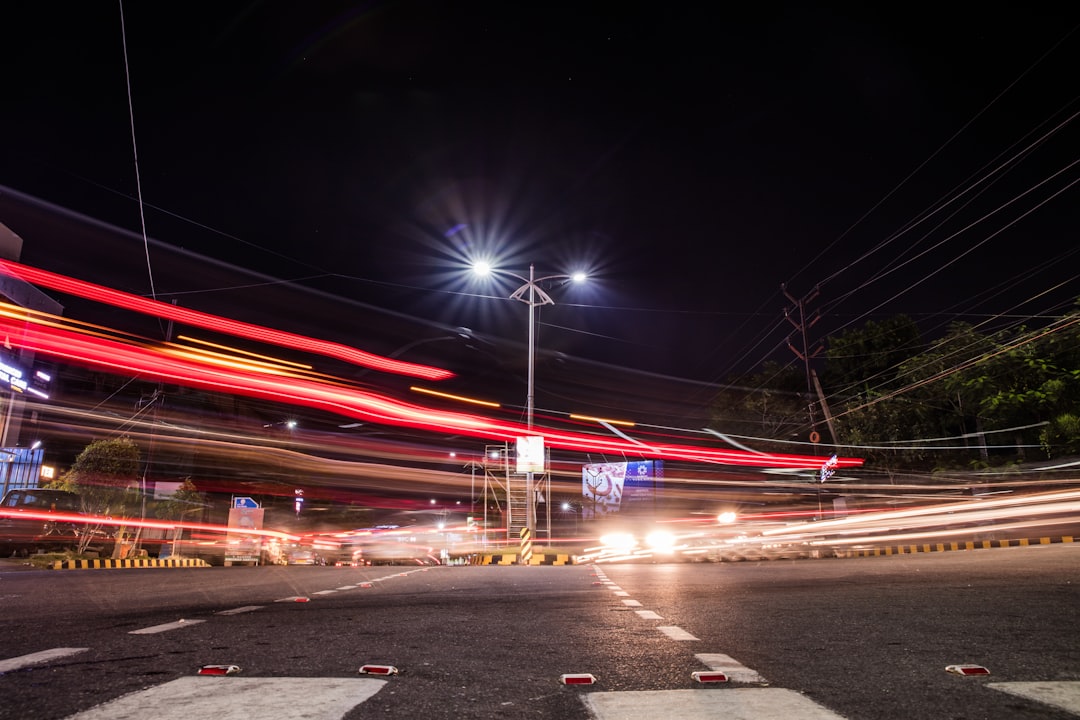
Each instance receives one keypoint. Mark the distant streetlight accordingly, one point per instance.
(533, 295)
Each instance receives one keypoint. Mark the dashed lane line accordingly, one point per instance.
(165, 627)
(18, 663)
(240, 610)
(730, 704)
(731, 667)
(675, 632)
(631, 603)
(240, 699)
(649, 615)
(1064, 694)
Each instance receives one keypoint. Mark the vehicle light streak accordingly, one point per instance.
(968, 511)
(459, 398)
(100, 520)
(215, 323)
(257, 356)
(124, 358)
(999, 514)
(941, 532)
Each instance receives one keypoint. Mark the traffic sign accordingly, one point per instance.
(244, 502)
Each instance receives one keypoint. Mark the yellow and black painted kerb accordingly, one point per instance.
(100, 564)
(526, 546)
(951, 546)
(512, 559)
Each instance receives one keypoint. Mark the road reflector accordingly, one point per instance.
(366, 585)
(709, 676)
(967, 670)
(378, 670)
(219, 669)
(577, 679)
(597, 583)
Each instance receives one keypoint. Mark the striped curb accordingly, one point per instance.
(512, 559)
(951, 546)
(106, 564)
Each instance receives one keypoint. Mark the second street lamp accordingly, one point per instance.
(532, 294)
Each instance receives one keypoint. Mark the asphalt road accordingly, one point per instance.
(863, 638)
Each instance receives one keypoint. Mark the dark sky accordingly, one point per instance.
(691, 159)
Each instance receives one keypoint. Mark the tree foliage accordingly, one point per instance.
(971, 397)
(105, 476)
(974, 397)
(186, 500)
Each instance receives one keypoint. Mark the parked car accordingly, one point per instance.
(33, 519)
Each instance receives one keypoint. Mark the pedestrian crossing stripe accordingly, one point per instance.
(238, 698)
(731, 704)
(1063, 694)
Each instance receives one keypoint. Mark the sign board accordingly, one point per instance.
(611, 487)
(242, 545)
(530, 454)
(244, 502)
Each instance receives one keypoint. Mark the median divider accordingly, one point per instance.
(911, 549)
(108, 563)
(536, 558)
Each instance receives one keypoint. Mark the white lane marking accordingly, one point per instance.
(730, 704)
(631, 603)
(346, 587)
(325, 592)
(731, 667)
(675, 632)
(649, 615)
(37, 658)
(237, 698)
(165, 627)
(237, 611)
(1064, 694)
(612, 586)
(621, 593)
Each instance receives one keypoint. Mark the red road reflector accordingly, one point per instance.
(709, 676)
(365, 584)
(577, 679)
(967, 670)
(597, 583)
(219, 669)
(378, 670)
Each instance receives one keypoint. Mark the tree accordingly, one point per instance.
(865, 361)
(106, 477)
(772, 404)
(186, 500)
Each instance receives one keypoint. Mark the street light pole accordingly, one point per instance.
(532, 347)
(530, 505)
(532, 295)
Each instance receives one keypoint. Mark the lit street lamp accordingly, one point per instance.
(533, 295)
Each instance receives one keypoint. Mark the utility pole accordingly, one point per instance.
(156, 399)
(803, 325)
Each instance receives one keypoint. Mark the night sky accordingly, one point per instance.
(904, 160)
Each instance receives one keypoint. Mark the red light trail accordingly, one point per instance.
(194, 318)
(112, 355)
